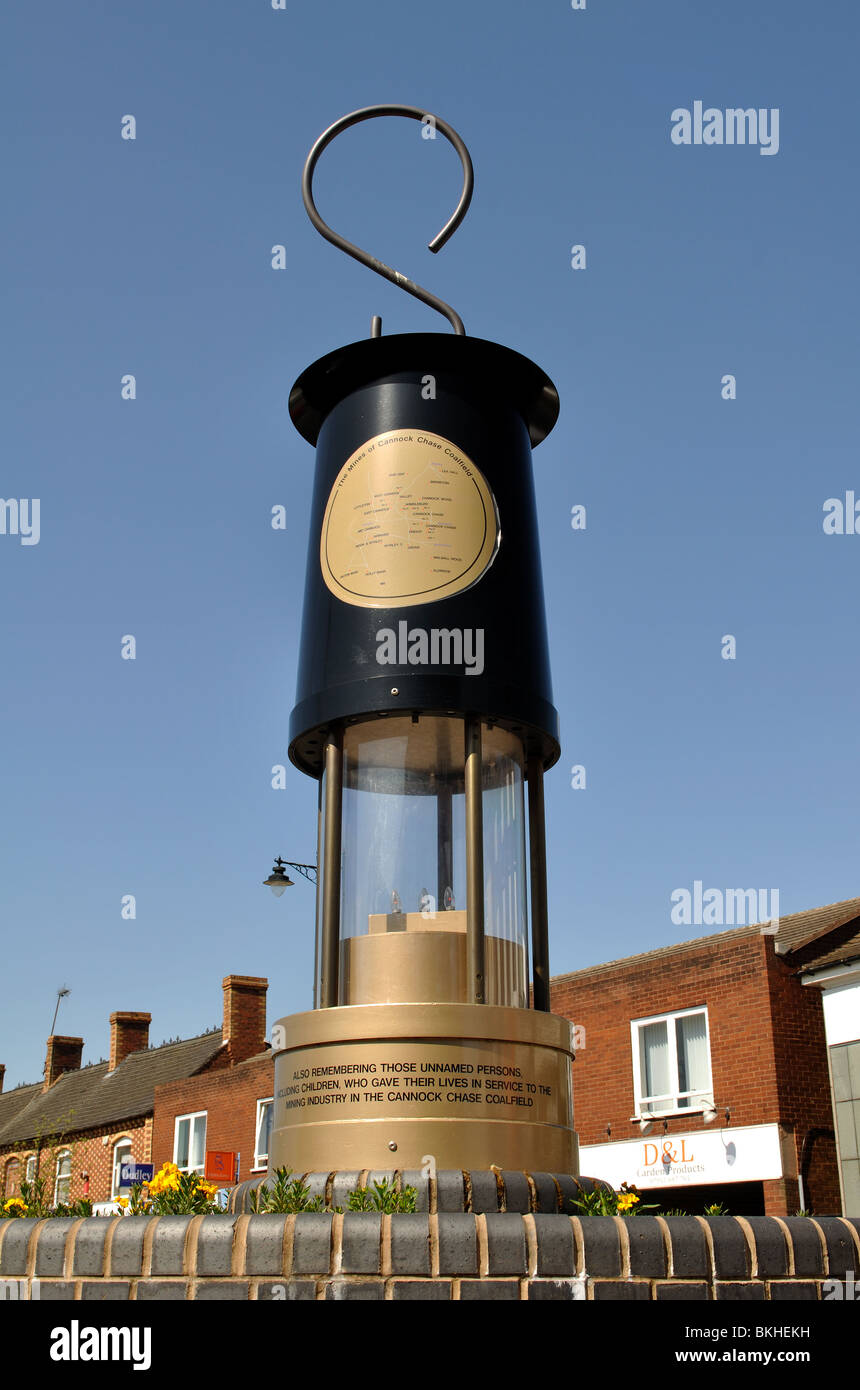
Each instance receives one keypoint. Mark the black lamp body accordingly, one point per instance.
(491, 404)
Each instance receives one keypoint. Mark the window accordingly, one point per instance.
(63, 1178)
(30, 1169)
(10, 1178)
(263, 1132)
(671, 1062)
(189, 1142)
(121, 1155)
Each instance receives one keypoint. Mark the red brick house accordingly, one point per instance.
(76, 1126)
(705, 1074)
(222, 1108)
(227, 1110)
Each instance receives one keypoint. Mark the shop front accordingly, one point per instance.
(693, 1170)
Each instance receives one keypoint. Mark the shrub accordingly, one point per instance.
(605, 1201)
(287, 1194)
(33, 1201)
(384, 1198)
(172, 1193)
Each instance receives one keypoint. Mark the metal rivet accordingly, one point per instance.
(392, 1146)
(394, 690)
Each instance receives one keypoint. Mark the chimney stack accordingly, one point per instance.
(244, 1027)
(129, 1032)
(2, 1074)
(64, 1054)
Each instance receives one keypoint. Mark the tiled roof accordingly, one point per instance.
(796, 933)
(258, 1057)
(93, 1096)
(802, 928)
(12, 1102)
(847, 950)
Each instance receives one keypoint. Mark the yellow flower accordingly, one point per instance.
(122, 1201)
(15, 1202)
(165, 1180)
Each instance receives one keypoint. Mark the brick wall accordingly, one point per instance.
(431, 1255)
(803, 1082)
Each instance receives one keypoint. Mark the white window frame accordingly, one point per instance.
(261, 1160)
(191, 1116)
(62, 1156)
(125, 1144)
(703, 1094)
(30, 1168)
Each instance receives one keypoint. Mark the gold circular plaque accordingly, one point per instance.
(410, 520)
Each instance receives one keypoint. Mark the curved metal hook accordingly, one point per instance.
(365, 114)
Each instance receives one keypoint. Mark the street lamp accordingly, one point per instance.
(278, 880)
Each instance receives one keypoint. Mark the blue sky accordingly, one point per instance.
(153, 257)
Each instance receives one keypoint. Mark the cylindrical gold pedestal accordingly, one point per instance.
(380, 1086)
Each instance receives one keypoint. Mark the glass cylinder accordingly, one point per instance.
(402, 932)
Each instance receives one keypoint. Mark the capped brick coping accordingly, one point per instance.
(441, 1255)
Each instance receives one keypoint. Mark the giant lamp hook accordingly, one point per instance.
(365, 114)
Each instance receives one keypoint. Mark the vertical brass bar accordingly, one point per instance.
(331, 868)
(444, 848)
(537, 875)
(475, 971)
(318, 901)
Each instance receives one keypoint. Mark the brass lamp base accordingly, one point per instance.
(379, 1086)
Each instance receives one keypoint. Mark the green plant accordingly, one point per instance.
(170, 1193)
(383, 1197)
(716, 1209)
(174, 1193)
(285, 1195)
(82, 1207)
(138, 1201)
(34, 1202)
(34, 1199)
(603, 1200)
